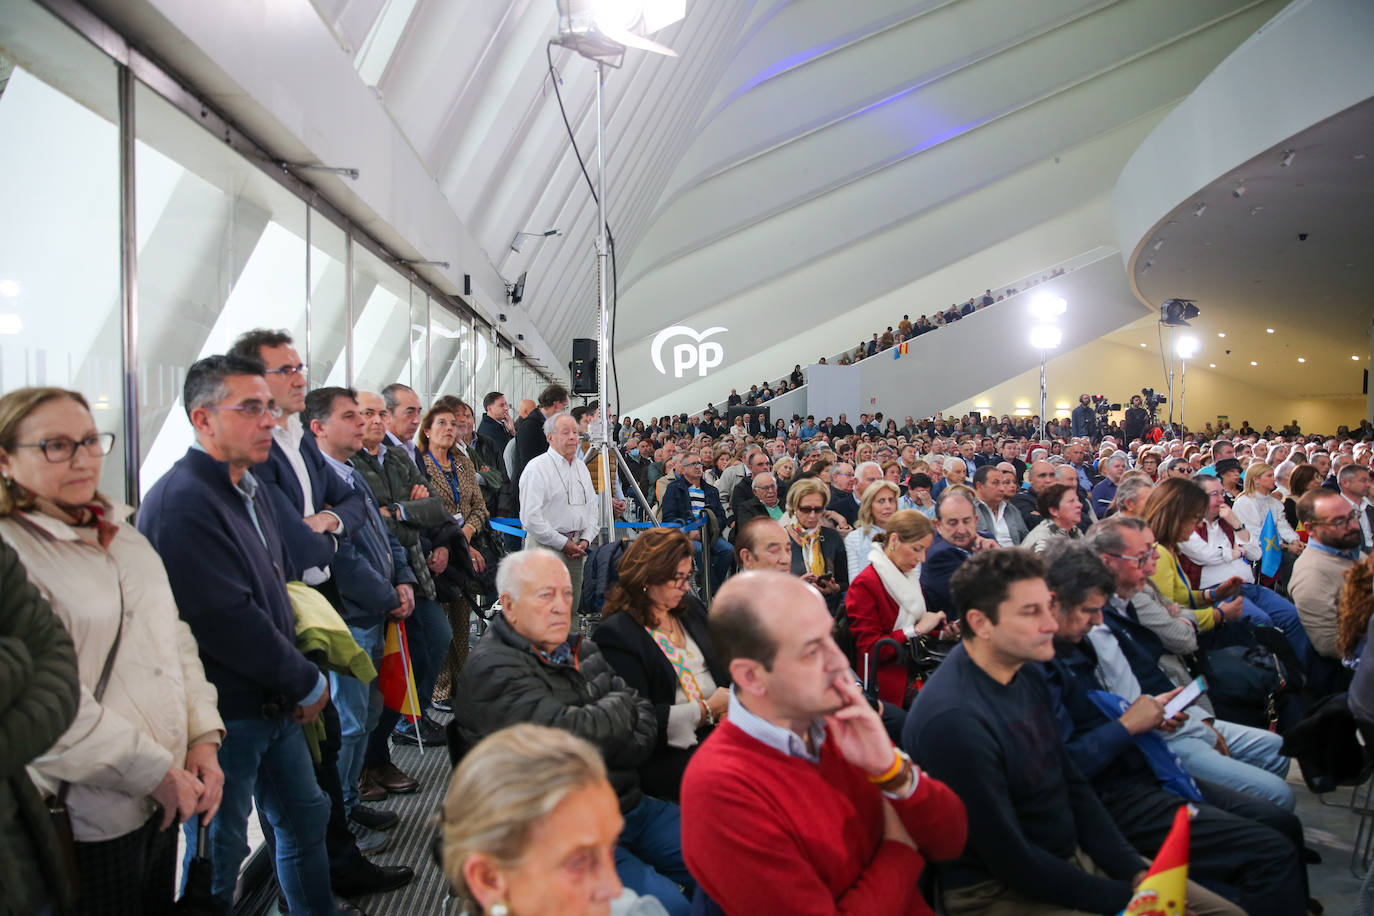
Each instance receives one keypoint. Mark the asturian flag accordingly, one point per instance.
(1271, 556)
(1164, 889)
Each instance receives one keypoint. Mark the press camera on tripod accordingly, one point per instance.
(1101, 411)
(1152, 400)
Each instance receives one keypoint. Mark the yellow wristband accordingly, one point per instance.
(892, 771)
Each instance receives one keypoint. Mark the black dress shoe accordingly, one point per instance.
(431, 733)
(341, 907)
(371, 878)
(374, 818)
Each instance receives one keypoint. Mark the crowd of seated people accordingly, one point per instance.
(1020, 611)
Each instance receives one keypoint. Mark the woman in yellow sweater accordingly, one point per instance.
(1175, 508)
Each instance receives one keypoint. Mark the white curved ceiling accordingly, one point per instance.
(802, 169)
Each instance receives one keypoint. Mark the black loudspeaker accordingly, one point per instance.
(467, 284)
(583, 366)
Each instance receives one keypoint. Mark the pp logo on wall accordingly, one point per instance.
(703, 355)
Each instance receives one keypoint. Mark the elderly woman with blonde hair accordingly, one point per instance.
(529, 828)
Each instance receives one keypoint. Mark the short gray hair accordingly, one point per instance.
(512, 568)
(1108, 535)
(859, 468)
(207, 380)
(758, 479)
(1130, 488)
(952, 463)
(1115, 458)
(389, 394)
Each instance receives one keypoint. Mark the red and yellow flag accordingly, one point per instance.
(397, 677)
(1164, 890)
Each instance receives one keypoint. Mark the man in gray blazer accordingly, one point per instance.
(995, 516)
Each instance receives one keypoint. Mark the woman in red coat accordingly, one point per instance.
(886, 600)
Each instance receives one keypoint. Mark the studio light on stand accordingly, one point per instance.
(1174, 314)
(602, 31)
(1045, 336)
(1186, 348)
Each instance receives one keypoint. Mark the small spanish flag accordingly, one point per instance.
(1164, 890)
(397, 677)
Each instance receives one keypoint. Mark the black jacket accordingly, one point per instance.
(635, 656)
(530, 442)
(836, 564)
(507, 681)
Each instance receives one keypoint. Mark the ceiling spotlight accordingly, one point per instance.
(1287, 158)
(1355, 358)
(1238, 191)
(1212, 365)
(1047, 307)
(1220, 334)
(1142, 345)
(1201, 209)
(1187, 347)
(603, 30)
(1176, 313)
(1301, 360)
(1253, 363)
(1268, 330)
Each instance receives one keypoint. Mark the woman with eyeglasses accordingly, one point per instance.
(654, 634)
(142, 753)
(818, 553)
(453, 478)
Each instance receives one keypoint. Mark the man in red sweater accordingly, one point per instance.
(799, 803)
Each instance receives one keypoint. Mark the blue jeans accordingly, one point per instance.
(268, 761)
(648, 857)
(360, 707)
(721, 557)
(1265, 607)
(1255, 766)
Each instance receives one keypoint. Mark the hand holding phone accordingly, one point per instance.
(1186, 697)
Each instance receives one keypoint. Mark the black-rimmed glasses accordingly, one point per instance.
(61, 448)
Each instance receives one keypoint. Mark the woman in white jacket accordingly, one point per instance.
(141, 754)
(1257, 501)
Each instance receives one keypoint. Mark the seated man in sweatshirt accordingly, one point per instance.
(799, 803)
(1241, 845)
(1040, 841)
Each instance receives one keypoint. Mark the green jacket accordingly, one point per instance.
(38, 697)
(391, 480)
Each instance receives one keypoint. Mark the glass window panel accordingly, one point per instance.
(328, 302)
(419, 342)
(381, 323)
(484, 361)
(221, 250)
(449, 347)
(60, 290)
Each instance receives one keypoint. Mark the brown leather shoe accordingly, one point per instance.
(392, 779)
(369, 790)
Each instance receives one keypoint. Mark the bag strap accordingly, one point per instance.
(99, 692)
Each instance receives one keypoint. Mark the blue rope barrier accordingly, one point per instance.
(512, 526)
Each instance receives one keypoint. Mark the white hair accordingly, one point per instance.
(872, 465)
(511, 571)
(551, 424)
(953, 463)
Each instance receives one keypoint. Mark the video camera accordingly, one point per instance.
(1152, 400)
(1101, 407)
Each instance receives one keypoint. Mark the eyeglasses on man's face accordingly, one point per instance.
(288, 371)
(253, 410)
(62, 448)
(1139, 561)
(1342, 521)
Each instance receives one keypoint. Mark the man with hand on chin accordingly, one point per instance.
(799, 797)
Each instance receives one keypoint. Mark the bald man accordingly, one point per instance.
(762, 544)
(800, 796)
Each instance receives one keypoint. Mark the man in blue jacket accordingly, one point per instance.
(375, 584)
(217, 534)
(685, 500)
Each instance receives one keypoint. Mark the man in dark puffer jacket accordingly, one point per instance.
(38, 696)
(527, 669)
